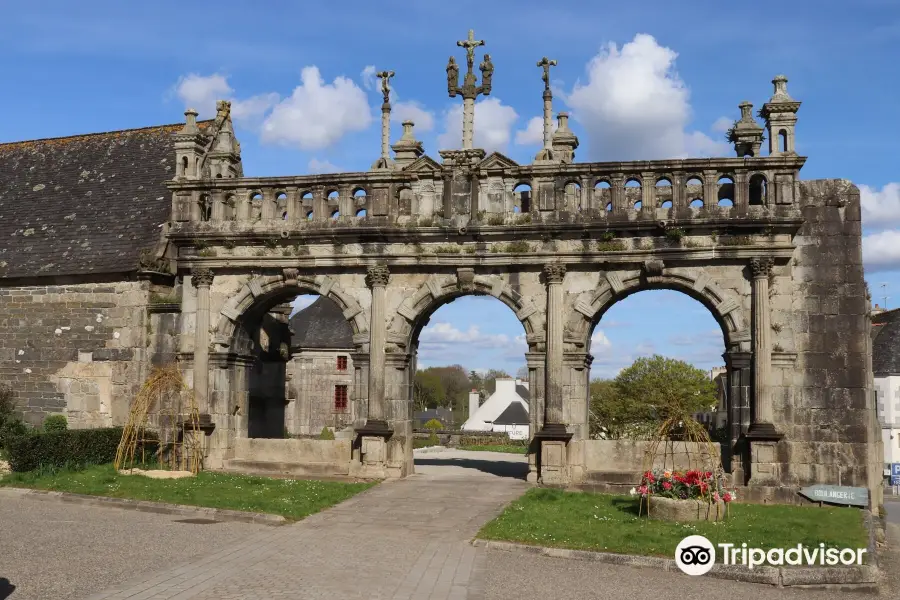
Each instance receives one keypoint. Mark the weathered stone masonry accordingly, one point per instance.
(776, 260)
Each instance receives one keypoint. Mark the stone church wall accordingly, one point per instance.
(312, 378)
(77, 349)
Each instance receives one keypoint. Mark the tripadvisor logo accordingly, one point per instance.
(696, 555)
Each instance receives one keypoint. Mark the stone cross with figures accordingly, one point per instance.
(546, 153)
(546, 64)
(469, 91)
(385, 162)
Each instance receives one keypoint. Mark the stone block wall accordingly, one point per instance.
(77, 349)
(312, 376)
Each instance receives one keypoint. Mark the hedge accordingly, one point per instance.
(72, 448)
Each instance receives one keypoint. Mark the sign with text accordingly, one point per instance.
(895, 473)
(837, 494)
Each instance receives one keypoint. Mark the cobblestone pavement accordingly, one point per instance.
(53, 550)
(400, 540)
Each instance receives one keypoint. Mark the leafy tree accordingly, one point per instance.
(428, 390)
(522, 373)
(646, 393)
(671, 388)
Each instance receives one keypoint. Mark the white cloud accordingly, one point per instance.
(599, 341)
(634, 105)
(201, 92)
(415, 112)
(880, 209)
(533, 134)
(317, 167)
(881, 251)
(700, 145)
(368, 77)
(317, 114)
(722, 124)
(493, 126)
(442, 334)
(254, 107)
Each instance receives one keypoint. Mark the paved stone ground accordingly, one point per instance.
(61, 551)
(406, 539)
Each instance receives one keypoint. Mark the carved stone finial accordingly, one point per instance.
(761, 267)
(780, 93)
(554, 273)
(202, 277)
(190, 122)
(377, 275)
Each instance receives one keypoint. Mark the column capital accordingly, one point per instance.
(202, 277)
(761, 267)
(377, 276)
(554, 273)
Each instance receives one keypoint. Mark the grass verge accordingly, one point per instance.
(608, 523)
(513, 449)
(293, 499)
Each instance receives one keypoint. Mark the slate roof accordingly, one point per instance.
(515, 414)
(523, 392)
(84, 204)
(886, 345)
(321, 325)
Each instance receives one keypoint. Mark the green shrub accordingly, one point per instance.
(326, 434)
(55, 423)
(434, 425)
(11, 423)
(72, 448)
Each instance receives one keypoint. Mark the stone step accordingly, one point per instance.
(265, 467)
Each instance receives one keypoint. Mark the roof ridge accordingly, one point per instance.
(101, 133)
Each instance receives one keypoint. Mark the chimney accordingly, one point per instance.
(474, 398)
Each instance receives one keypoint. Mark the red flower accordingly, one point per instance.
(726, 497)
(642, 490)
(667, 485)
(703, 487)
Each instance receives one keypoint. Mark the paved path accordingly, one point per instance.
(400, 540)
(52, 550)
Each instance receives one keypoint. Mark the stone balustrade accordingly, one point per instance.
(498, 192)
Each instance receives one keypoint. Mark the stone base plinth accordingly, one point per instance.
(669, 509)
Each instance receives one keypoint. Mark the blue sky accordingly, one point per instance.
(642, 80)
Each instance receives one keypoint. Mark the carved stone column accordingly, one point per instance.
(201, 280)
(377, 279)
(554, 275)
(553, 468)
(763, 414)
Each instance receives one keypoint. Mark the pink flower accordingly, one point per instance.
(716, 496)
(667, 485)
(642, 490)
(726, 497)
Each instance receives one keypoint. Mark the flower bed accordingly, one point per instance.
(683, 495)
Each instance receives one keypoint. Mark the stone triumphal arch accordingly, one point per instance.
(776, 260)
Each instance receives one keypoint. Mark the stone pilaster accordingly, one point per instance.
(377, 279)
(468, 122)
(763, 413)
(553, 436)
(201, 280)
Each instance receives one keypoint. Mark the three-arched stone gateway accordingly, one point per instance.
(776, 260)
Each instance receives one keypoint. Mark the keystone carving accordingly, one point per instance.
(465, 279)
(653, 268)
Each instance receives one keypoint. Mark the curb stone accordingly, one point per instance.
(217, 514)
(863, 578)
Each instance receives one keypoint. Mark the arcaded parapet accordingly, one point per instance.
(77, 349)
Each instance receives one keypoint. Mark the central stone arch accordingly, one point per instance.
(725, 305)
(414, 311)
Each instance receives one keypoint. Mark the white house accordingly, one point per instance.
(506, 410)
(886, 367)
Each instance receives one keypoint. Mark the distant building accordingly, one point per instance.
(506, 410)
(320, 370)
(886, 368)
(717, 416)
(444, 415)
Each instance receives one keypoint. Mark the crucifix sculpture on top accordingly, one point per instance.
(469, 91)
(385, 162)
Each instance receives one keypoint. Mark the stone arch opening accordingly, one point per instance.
(697, 338)
(693, 191)
(759, 194)
(725, 189)
(258, 380)
(522, 198)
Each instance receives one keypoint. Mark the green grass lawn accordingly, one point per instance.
(293, 499)
(514, 449)
(608, 523)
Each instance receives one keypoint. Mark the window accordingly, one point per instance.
(340, 398)
(341, 363)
